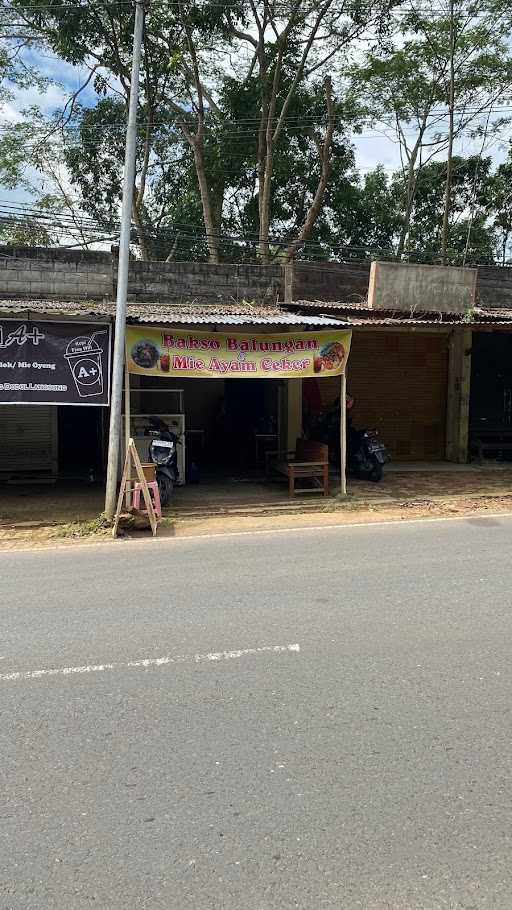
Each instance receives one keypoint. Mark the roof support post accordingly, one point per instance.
(459, 382)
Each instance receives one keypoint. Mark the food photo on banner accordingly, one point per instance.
(54, 363)
(221, 355)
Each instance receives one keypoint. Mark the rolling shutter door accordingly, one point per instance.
(28, 439)
(399, 382)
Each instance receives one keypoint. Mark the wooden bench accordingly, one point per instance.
(490, 439)
(309, 460)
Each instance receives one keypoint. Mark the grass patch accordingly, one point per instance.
(167, 521)
(98, 525)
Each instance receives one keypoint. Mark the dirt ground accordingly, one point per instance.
(35, 516)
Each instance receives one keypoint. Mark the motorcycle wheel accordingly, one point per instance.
(165, 489)
(377, 471)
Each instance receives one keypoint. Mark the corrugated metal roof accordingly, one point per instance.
(279, 318)
(59, 307)
(493, 313)
(354, 321)
(479, 316)
(256, 314)
(334, 304)
(182, 314)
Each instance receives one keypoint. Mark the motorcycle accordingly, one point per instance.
(366, 454)
(163, 452)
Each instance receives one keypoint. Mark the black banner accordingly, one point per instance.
(54, 362)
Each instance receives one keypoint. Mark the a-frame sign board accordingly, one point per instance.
(132, 471)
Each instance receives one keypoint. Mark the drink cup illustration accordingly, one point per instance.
(83, 355)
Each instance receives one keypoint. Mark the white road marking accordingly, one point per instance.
(144, 663)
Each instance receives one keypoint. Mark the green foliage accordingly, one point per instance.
(24, 232)
(401, 84)
(470, 198)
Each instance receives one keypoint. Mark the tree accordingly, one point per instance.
(471, 235)
(367, 216)
(22, 231)
(431, 84)
(501, 203)
(284, 54)
(192, 58)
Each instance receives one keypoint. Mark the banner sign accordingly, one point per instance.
(54, 362)
(221, 355)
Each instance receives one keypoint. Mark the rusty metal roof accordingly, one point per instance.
(370, 316)
(171, 314)
(362, 304)
(245, 313)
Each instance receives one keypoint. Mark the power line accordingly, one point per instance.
(306, 119)
(188, 234)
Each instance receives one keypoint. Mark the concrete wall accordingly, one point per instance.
(422, 288)
(67, 274)
(346, 281)
(64, 274)
(494, 286)
(182, 280)
(38, 272)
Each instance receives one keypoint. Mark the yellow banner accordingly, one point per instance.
(223, 355)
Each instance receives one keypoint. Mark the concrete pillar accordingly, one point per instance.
(459, 381)
(288, 282)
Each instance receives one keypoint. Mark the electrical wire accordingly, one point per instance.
(65, 224)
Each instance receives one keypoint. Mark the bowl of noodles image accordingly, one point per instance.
(145, 354)
(330, 357)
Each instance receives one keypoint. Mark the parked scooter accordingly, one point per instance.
(366, 454)
(163, 452)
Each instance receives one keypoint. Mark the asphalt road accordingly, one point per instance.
(314, 719)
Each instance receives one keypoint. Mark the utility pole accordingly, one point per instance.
(122, 270)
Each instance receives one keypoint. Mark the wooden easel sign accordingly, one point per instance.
(133, 469)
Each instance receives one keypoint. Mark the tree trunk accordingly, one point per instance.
(324, 150)
(212, 237)
(141, 233)
(451, 105)
(265, 205)
(412, 178)
(262, 152)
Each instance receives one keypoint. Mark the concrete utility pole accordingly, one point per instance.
(122, 271)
